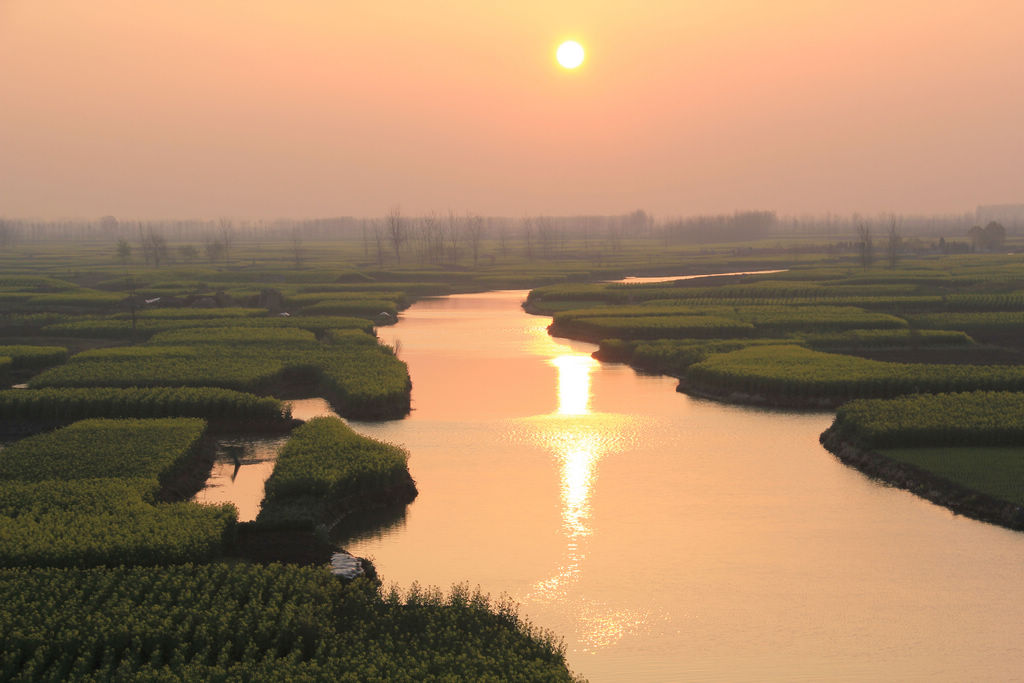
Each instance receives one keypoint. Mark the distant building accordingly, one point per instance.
(1011, 216)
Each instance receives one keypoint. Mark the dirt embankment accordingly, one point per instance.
(959, 499)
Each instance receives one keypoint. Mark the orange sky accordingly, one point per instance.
(206, 108)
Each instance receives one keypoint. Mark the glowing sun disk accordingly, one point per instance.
(570, 54)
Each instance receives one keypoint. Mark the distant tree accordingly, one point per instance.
(188, 252)
(8, 233)
(995, 236)
(454, 234)
(124, 251)
(214, 250)
(226, 236)
(108, 224)
(865, 247)
(398, 231)
(528, 236)
(475, 232)
(378, 239)
(154, 247)
(892, 247)
(297, 252)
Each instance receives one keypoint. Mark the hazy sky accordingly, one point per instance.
(248, 108)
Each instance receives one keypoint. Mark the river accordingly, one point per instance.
(670, 538)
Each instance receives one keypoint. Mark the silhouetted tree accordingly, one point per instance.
(124, 251)
(226, 236)
(865, 247)
(475, 232)
(297, 251)
(892, 247)
(214, 250)
(398, 231)
(154, 247)
(188, 253)
(990, 238)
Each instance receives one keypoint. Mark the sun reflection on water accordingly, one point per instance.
(579, 438)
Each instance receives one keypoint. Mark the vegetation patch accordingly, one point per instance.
(90, 522)
(24, 356)
(982, 418)
(66, 404)
(249, 622)
(100, 448)
(792, 372)
(326, 469)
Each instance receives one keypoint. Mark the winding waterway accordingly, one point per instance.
(669, 538)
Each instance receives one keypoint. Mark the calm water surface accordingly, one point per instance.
(669, 538)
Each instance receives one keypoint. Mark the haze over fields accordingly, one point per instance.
(270, 108)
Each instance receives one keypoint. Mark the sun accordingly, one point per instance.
(570, 54)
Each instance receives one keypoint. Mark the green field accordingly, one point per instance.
(998, 472)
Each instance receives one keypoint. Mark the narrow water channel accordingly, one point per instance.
(672, 538)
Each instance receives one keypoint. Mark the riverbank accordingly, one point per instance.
(958, 499)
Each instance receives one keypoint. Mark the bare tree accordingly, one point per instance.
(475, 232)
(528, 236)
(398, 231)
(214, 250)
(892, 247)
(8, 233)
(298, 254)
(865, 248)
(154, 247)
(433, 239)
(188, 252)
(454, 234)
(378, 238)
(226, 236)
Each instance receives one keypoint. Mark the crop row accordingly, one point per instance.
(41, 527)
(70, 403)
(146, 327)
(25, 356)
(249, 622)
(971, 322)
(101, 448)
(362, 380)
(661, 322)
(983, 418)
(83, 496)
(325, 462)
(800, 373)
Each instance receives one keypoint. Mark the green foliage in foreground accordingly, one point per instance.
(796, 372)
(245, 622)
(89, 522)
(995, 471)
(324, 462)
(981, 418)
(144, 449)
(70, 403)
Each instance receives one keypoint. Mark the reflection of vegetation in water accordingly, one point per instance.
(364, 525)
